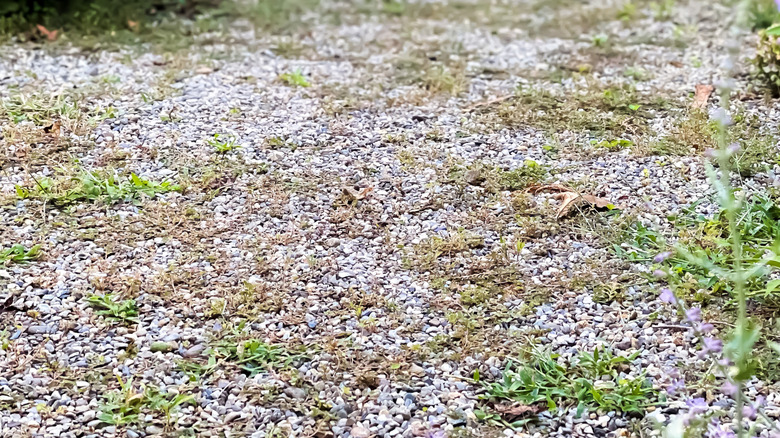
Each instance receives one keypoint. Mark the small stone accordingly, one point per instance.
(359, 431)
(416, 370)
(194, 351)
(296, 393)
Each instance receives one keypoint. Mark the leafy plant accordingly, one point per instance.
(108, 188)
(107, 305)
(253, 356)
(767, 59)
(528, 173)
(126, 405)
(295, 78)
(20, 254)
(543, 379)
(612, 145)
(223, 143)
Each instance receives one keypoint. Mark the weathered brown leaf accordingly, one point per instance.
(133, 25)
(570, 201)
(50, 35)
(353, 196)
(516, 412)
(702, 95)
(53, 129)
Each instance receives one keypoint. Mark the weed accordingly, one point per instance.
(601, 40)
(762, 13)
(20, 254)
(595, 381)
(106, 187)
(475, 296)
(599, 110)
(612, 145)
(438, 79)
(663, 10)
(294, 79)
(109, 306)
(223, 143)
(127, 405)
(252, 355)
(38, 109)
(530, 172)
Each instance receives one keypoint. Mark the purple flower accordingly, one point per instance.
(693, 314)
(733, 148)
(721, 432)
(706, 327)
(697, 406)
(749, 412)
(777, 3)
(676, 385)
(710, 153)
(711, 345)
(662, 256)
(667, 296)
(659, 273)
(729, 388)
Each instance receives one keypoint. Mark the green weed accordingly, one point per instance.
(612, 145)
(109, 306)
(128, 406)
(223, 143)
(20, 254)
(596, 380)
(294, 79)
(39, 109)
(106, 187)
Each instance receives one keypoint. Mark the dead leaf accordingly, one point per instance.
(133, 25)
(50, 35)
(353, 196)
(53, 129)
(204, 70)
(677, 64)
(570, 201)
(702, 95)
(516, 412)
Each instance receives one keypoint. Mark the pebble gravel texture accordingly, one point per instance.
(325, 232)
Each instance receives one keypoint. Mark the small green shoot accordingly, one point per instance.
(109, 306)
(223, 143)
(20, 254)
(294, 79)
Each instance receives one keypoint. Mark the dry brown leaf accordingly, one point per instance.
(353, 196)
(516, 412)
(570, 201)
(50, 35)
(53, 129)
(702, 95)
(133, 25)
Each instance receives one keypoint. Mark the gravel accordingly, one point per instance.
(312, 236)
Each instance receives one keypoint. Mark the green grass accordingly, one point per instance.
(595, 381)
(20, 254)
(613, 110)
(39, 109)
(294, 79)
(704, 239)
(129, 406)
(223, 143)
(109, 306)
(97, 186)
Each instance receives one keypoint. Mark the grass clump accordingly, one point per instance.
(20, 254)
(109, 306)
(697, 132)
(596, 380)
(495, 179)
(128, 406)
(704, 239)
(39, 109)
(614, 110)
(294, 79)
(106, 187)
(223, 143)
